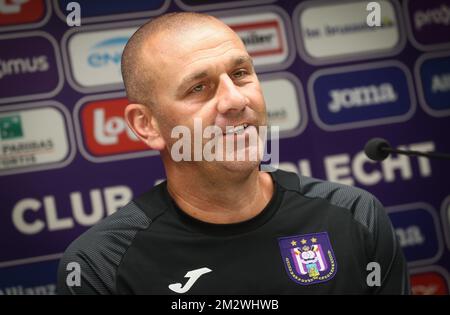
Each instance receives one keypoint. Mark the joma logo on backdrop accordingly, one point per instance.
(361, 96)
(418, 231)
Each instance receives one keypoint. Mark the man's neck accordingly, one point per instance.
(210, 200)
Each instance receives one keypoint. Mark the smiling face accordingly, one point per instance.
(205, 72)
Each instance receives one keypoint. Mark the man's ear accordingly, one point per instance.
(144, 125)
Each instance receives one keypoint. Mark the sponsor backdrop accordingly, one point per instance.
(67, 158)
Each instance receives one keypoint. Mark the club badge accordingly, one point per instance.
(308, 258)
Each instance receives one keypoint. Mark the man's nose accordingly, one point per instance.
(229, 97)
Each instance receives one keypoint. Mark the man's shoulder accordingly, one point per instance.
(363, 205)
(100, 250)
(112, 230)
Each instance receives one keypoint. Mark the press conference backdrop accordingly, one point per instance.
(331, 82)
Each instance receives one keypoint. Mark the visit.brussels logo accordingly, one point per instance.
(361, 96)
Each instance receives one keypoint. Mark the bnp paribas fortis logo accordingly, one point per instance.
(10, 127)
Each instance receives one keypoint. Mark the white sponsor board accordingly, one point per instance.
(329, 32)
(34, 137)
(92, 55)
(95, 56)
(266, 33)
(285, 103)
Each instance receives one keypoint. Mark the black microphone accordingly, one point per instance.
(378, 149)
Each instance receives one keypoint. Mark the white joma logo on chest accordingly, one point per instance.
(193, 276)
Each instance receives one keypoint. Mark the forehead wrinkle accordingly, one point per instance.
(194, 76)
(197, 75)
(193, 57)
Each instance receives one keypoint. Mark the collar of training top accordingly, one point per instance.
(231, 228)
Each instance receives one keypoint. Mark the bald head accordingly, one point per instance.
(137, 73)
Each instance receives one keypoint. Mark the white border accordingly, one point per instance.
(25, 26)
(59, 85)
(348, 57)
(70, 137)
(66, 58)
(223, 5)
(433, 268)
(369, 122)
(413, 40)
(445, 220)
(80, 140)
(114, 17)
(290, 43)
(422, 101)
(428, 208)
(301, 103)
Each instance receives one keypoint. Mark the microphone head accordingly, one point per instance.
(374, 149)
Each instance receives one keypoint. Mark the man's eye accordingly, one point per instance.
(198, 88)
(239, 74)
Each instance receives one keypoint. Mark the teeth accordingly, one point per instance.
(238, 129)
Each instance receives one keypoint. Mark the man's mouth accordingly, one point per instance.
(239, 129)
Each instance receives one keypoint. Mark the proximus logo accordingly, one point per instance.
(23, 65)
(440, 15)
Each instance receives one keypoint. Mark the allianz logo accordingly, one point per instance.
(107, 131)
(107, 52)
(440, 15)
(23, 65)
(361, 96)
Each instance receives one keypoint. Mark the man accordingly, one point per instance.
(223, 226)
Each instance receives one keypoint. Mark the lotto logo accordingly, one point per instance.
(428, 283)
(103, 132)
(14, 12)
